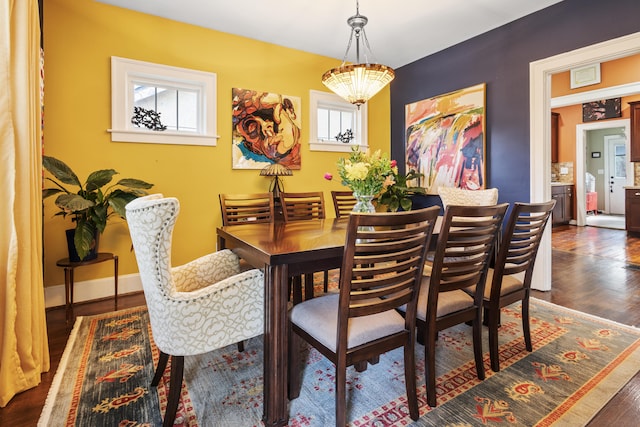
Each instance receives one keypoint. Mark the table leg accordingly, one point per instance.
(115, 280)
(275, 345)
(67, 291)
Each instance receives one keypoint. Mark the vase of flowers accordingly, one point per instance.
(366, 175)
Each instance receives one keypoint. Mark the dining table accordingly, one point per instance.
(283, 250)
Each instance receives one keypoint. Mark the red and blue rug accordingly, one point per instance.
(579, 362)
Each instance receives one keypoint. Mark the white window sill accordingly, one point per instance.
(337, 147)
(163, 137)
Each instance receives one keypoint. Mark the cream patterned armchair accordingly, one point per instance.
(194, 308)
(459, 196)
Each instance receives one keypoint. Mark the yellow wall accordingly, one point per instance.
(80, 36)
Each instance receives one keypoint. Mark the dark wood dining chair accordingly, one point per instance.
(303, 207)
(510, 279)
(463, 251)
(343, 203)
(381, 270)
(241, 208)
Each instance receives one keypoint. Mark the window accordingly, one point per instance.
(336, 125)
(162, 104)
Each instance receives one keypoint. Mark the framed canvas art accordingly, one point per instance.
(445, 139)
(266, 129)
(601, 110)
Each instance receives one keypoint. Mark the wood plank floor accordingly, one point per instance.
(595, 270)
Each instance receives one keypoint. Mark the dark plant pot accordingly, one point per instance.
(71, 247)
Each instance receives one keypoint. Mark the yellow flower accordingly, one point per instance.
(356, 170)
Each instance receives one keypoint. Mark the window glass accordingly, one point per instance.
(338, 125)
(162, 104)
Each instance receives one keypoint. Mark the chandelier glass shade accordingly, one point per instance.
(359, 82)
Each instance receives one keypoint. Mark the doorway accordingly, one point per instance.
(611, 128)
(540, 126)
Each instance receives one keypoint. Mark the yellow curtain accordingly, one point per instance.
(24, 351)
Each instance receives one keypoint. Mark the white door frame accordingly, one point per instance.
(581, 145)
(540, 126)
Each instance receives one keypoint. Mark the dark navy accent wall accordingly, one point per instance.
(501, 59)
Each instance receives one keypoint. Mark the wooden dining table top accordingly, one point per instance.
(287, 242)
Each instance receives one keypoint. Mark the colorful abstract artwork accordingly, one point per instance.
(266, 129)
(445, 139)
(600, 110)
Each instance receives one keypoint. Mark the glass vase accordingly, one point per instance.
(363, 203)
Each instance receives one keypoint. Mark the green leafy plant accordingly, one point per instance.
(91, 204)
(364, 173)
(398, 195)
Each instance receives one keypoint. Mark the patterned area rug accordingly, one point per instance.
(579, 362)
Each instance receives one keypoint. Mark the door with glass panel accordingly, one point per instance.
(615, 173)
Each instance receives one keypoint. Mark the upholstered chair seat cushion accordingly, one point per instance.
(319, 318)
(448, 302)
(458, 196)
(509, 284)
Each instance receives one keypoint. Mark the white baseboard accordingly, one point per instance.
(92, 289)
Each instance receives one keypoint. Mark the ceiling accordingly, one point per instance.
(398, 33)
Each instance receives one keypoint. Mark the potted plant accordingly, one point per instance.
(92, 204)
(398, 195)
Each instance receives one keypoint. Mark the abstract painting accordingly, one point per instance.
(266, 129)
(600, 110)
(445, 139)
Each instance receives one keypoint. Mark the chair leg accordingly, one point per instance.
(296, 283)
(162, 365)
(295, 381)
(477, 345)
(240, 346)
(492, 322)
(410, 379)
(430, 368)
(341, 392)
(175, 386)
(526, 326)
(360, 366)
(308, 286)
(326, 281)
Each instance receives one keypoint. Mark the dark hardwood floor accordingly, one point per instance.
(595, 270)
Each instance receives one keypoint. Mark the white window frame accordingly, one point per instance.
(125, 72)
(318, 99)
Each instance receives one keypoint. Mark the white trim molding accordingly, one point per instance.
(540, 126)
(92, 289)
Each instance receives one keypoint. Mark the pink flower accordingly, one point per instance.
(328, 176)
(394, 163)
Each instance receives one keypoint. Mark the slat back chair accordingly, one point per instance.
(465, 245)
(343, 203)
(510, 279)
(302, 206)
(241, 208)
(381, 271)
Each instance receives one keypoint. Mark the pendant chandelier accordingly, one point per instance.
(359, 82)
